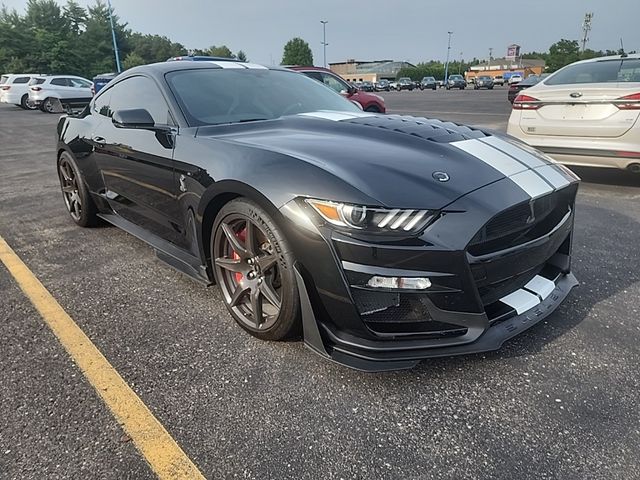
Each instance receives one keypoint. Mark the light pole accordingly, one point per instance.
(113, 37)
(324, 41)
(460, 64)
(446, 65)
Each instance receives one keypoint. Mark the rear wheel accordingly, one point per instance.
(26, 104)
(253, 265)
(76, 195)
(372, 109)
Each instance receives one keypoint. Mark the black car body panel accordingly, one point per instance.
(502, 235)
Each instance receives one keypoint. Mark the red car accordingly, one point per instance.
(370, 101)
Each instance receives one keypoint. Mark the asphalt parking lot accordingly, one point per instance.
(559, 401)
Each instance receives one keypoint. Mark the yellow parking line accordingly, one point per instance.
(161, 451)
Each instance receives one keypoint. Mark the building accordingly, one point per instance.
(369, 71)
(506, 67)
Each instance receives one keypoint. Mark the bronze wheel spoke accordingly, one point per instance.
(237, 295)
(231, 264)
(266, 262)
(270, 294)
(256, 306)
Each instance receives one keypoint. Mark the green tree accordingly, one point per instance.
(241, 56)
(221, 51)
(562, 53)
(133, 60)
(297, 52)
(155, 48)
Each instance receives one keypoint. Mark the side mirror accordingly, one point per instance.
(137, 118)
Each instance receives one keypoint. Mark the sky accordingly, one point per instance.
(411, 31)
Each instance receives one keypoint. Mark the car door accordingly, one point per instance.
(59, 87)
(80, 89)
(136, 165)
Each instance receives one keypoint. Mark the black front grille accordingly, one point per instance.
(400, 314)
(523, 222)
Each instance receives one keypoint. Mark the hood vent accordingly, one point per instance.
(426, 128)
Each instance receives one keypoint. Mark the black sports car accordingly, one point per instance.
(382, 239)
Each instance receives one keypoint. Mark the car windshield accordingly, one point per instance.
(455, 77)
(532, 80)
(484, 78)
(603, 71)
(216, 96)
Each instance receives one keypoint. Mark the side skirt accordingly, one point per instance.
(175, 257)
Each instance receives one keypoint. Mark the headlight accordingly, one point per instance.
(372, 219)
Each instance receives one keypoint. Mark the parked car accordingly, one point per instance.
(586, 113)
(498, 80)
(393, 85)
(14, 89)
(101, 80)
(405, 83)
(483, 81)
(378, 245)
(370, 102)
(382, 85)
(530, 81)
(367, 86)
(456, 81)
(70, 91)
(515, 79)
(428, 83)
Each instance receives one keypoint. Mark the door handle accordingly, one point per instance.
(99, 141)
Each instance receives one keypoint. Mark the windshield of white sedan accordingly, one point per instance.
(214, 96)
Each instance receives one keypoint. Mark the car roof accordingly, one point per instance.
(630, 56)
(201, 58)
(311, 67)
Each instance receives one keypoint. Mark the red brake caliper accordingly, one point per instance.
(242, 236)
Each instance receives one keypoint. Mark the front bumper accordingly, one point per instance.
(479, 298)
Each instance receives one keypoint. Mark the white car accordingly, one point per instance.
(584, 114)
(515, 79)
(69, 90)
(14, 89)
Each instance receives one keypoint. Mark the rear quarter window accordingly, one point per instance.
(4, 78)
(21, 80)
(36, 81)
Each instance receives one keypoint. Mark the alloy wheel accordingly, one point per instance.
(247, 268)
(70, 190)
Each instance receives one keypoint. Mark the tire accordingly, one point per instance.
(47, 106)
(372, 109)
(80, 205)
(243, 276)
(24, 103)
(490, 88)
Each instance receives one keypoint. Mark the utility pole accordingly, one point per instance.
(586, 28)
(324, 41)
(460, 64)
(490, 57)
(446, 65)
(113, 38)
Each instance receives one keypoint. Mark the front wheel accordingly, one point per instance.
(48, 106)
(253, 265)
(76, 195)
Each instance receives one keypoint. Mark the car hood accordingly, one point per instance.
(402, 162)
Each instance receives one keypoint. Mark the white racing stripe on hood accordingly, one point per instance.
(336, 116)
(518, 153)
(531, 183)
(489, 155)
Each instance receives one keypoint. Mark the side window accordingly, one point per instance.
(101, 103)
(314, 75)
(139, 92)
(333, 83)
(21, 80)
(60, 82)
(79, 83)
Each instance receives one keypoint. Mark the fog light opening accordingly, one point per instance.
(400, 283)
